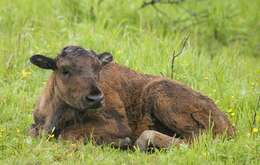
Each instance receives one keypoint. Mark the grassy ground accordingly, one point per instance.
(221, 59)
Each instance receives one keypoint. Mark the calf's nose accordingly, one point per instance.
(95, 98)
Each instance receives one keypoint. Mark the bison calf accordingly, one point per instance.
(90, 96)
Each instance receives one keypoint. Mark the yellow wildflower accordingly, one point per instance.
(230, 110)
(205, 154)
(70, 154)
(254, 130)
(206, 77)
(17, 130)
(25, 73)
(119, 52)
(232, 114)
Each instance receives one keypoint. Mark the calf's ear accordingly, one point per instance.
(43, 62)
(105, 58)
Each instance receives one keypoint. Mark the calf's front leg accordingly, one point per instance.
(99, 137)
(151, 138)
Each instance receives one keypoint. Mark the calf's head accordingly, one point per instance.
(75, 75)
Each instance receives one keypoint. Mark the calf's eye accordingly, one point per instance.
(65, 72)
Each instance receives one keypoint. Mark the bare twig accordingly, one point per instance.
(175, 55)
(189, 12)
(194, 18)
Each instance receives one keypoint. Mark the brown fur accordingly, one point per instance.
(133, 103)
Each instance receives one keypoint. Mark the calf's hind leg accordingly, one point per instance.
(182, 110)
(152, 138)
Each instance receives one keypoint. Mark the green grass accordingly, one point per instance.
(222, 59)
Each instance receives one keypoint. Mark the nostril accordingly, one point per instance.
(95, 98)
